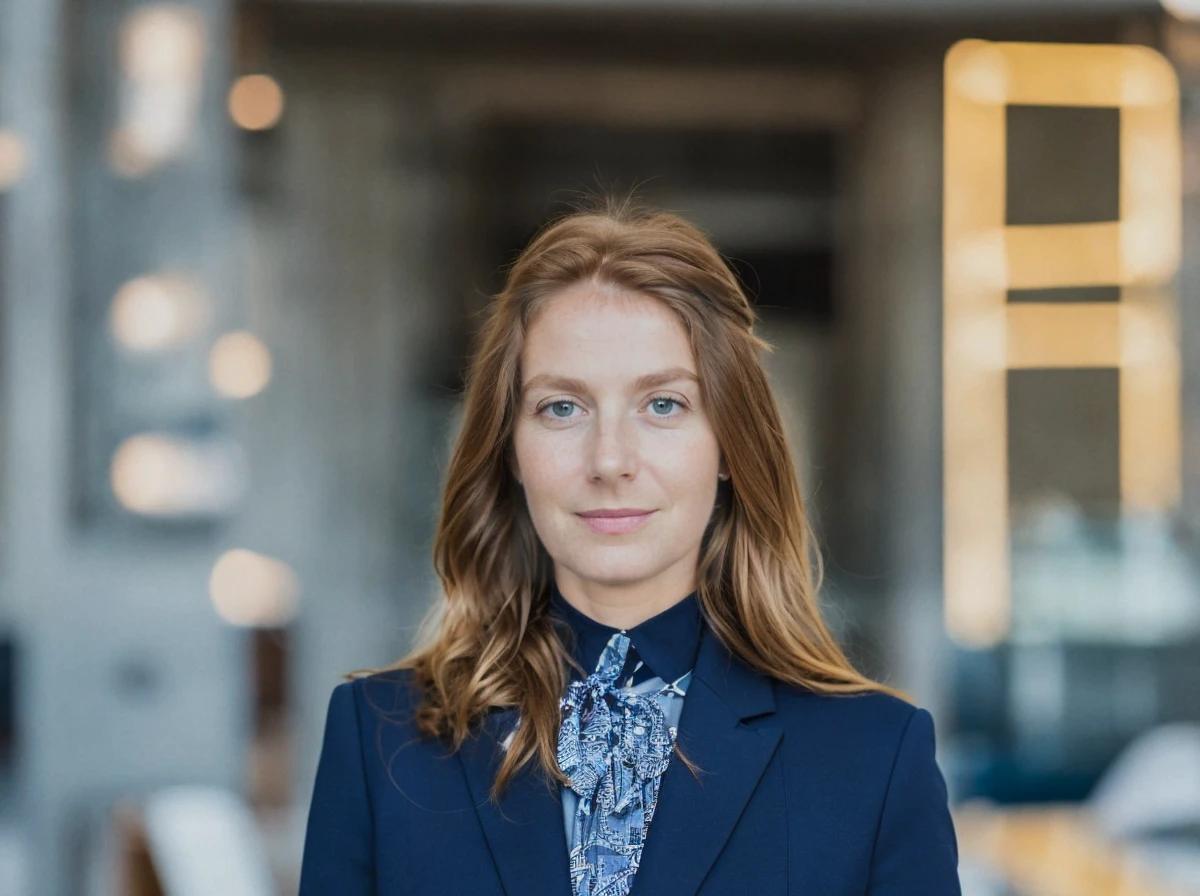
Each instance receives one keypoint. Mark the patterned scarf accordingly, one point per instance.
(614, 746)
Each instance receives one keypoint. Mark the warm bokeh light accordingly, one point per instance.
(162, 41)
(157, 312)
(239, 365)
(126, 155)
(256, 102)
(156, 474)
(251, 589)
(161, 49)
(13, 158)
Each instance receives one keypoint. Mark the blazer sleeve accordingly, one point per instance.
(338, 839)
(916, 850)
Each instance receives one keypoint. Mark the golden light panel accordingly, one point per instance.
(252, 589)
(161, 54)
(13, 159)
(239, 365)
(984, 336)
(156, 312)
(256, 102)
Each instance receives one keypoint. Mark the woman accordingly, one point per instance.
(625, 558)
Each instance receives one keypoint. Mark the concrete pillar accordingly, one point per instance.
(889, 344)
(344, 267)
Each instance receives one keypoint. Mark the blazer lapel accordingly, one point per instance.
(693, 819)
(525, 832)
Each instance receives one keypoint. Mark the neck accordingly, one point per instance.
(622, 607)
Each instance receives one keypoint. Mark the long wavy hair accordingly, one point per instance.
(489, 641)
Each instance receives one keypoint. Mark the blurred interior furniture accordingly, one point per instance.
(1138, 832)
(1151, 797)
(190, 840)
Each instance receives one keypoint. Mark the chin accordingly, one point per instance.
(608, 568)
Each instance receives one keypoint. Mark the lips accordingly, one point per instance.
(616, 522)
(620, 511)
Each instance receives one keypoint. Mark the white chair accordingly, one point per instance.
(1153, 785)
(205, 840)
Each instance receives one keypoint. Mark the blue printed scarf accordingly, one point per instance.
(614, 746)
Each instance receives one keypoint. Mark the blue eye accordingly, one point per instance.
(659, 400)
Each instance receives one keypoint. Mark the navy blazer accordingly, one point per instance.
(801, 794)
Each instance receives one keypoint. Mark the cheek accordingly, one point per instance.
(546, 482)
(545, 463)
(690, 475)
(695, 486)
(696, 459)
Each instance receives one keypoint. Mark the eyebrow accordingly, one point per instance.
(646, 381)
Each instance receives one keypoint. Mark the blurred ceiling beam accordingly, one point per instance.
(831, 8)
(647, 95)
(711, 32)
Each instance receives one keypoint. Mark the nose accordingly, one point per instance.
(614, 449)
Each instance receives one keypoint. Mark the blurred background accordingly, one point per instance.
(243, 247)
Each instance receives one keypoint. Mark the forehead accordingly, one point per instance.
(604, 335)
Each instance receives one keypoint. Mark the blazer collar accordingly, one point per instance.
(693, 818)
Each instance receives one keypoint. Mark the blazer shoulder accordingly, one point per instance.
(886, 746)
(870, 713)
(390, 696)
(866, 730)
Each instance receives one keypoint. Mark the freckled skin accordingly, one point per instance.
(613, 446)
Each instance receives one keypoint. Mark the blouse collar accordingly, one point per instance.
(668, 642)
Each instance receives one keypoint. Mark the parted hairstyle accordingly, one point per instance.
(489, 640)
